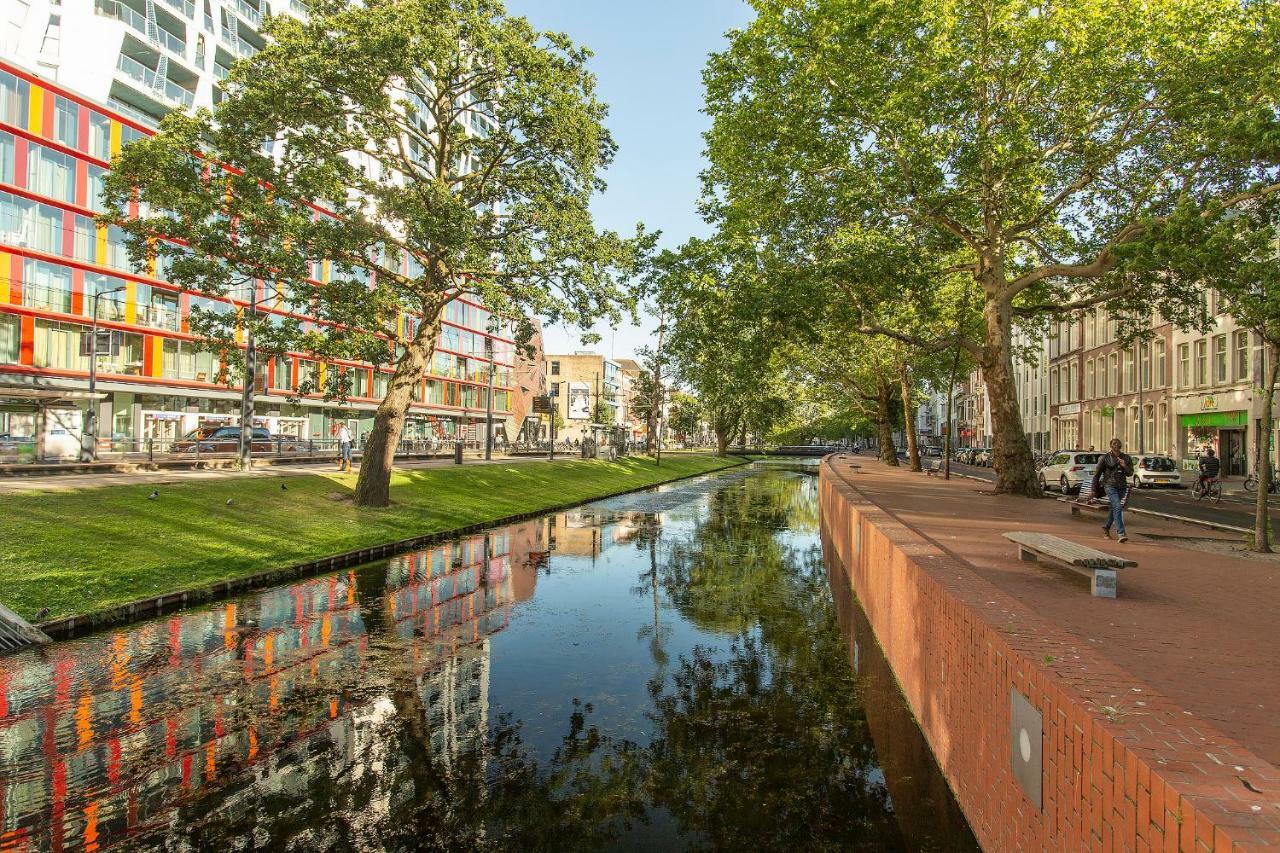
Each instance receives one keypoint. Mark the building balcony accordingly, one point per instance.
(155, 34)
(148, 79)
(249, 12)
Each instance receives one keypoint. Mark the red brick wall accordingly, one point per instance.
(957, 646)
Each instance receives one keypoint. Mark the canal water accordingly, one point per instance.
(660, 671)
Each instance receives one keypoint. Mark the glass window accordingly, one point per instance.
(1161, 376)
(185, 360)
(8, 154)
(99, 136)
(1089, 387)
(1242, 355)
(28, 223)
(382, 382)
(1220, 374)
(46, 286)
(1130, 382)
(84, 244)
(1184, 365)
(282, 374)
(14, 97)
(51, 173)
(1202, 362)
(555, 368)
(66, 121)
(57, 346)
(1114, 362)
(111, 304)
(10, 338)
(93, 199)
(158, 308)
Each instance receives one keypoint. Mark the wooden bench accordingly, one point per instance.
(934, 469)
(1099, 566)
(1078, 506)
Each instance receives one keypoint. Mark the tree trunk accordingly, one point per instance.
(373, 485)
(1011, 455)
(724, 433)
(1261, 516)
(909, 420)
(888, 454)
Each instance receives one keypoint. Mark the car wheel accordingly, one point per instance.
(1064, 486)
(1044, 487)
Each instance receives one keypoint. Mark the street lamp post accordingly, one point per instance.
(488, 413)
(250, 373)
(92, 429)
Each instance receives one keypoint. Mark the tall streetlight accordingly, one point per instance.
(488, 412)
(92, 430)
(250, 372)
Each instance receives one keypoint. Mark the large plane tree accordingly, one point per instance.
(378, 161)
(1043, 138)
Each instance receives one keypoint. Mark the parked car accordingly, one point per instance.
(1068, 470)
(1154, 469)
(982, 457)
(226, 439)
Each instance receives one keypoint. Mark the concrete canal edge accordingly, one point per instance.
(70, 626)
(1040, 756)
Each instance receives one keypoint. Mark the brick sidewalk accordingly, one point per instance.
(1159, 707)
(1200, 628)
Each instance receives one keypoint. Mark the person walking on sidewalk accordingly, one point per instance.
(1114, 473)
(344, 448)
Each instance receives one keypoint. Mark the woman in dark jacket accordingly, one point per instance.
(1114, 473)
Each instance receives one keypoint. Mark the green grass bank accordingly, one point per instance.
(88, 549)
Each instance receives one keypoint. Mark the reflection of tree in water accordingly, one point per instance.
(759, 744)
(764, 745)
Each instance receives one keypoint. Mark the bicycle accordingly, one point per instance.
(1251, 484)
(1210, 488)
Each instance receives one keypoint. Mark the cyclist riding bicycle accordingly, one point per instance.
(1210, 467)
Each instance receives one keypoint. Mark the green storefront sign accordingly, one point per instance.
(1214, 419)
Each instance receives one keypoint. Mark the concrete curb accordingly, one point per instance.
(74, 625)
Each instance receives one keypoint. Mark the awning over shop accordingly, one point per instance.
(1215, 419)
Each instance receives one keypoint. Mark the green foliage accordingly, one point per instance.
(472, 181)
(721, 344)
(1007, 151)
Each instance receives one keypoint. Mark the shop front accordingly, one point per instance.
(1225, 432)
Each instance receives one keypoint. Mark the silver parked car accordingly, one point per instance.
(1068, 470)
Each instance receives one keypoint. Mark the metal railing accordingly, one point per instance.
(186, 7)
(248, 12)
(151, 80)
(138, 22)
(121, 448)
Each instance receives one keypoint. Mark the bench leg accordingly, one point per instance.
(1026, 555)
(1104, 583)
(1075, 510)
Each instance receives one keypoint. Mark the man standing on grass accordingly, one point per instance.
(344, 447)
(1114, 472)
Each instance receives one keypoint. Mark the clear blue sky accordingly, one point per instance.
(649, 56)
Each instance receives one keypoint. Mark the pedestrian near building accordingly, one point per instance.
(1113, 474)
(344, 448)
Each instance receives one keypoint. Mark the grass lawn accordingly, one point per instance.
(78, 551)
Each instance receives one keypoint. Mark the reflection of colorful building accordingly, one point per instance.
(585, 532)
(106, 738)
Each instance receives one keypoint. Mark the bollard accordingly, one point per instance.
(457, 453)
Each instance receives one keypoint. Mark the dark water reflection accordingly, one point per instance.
(679, 679)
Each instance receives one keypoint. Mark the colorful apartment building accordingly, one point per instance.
(77, 82)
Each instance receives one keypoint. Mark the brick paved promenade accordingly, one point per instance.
(1161, 708)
